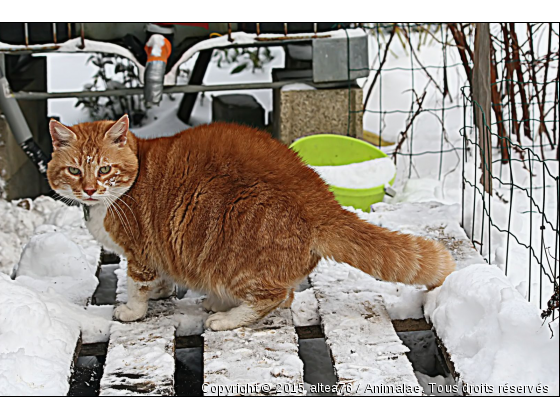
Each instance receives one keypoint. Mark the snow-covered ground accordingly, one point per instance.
(494, 334)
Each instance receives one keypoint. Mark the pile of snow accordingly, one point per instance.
(38, 336)
(494, 336)
(61, 254)
(52, 260)
(368, 174)
(18, 221)
(297, 86)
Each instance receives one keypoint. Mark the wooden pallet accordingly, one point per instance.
(368, 356)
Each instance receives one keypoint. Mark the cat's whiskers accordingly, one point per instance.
(107, 205)
(120, 211)
(66, 200)
(128, 196)
(118, 198)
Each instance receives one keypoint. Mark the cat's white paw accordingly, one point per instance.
(126, 314)
(221, 321)
(237, 317)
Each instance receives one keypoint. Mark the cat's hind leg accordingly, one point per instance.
(248, 312)
(163, 289)
(216, 303)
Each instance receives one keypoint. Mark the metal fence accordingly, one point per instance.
(523, 129)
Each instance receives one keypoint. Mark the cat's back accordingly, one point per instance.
(236, 152)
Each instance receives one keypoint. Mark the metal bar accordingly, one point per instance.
(18, 124)
(197, 76)
(37, 96)
(82, 36)
(54, 33)
(26, 30)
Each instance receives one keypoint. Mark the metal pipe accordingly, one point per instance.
(82, 36)
(26, 32)
(18, 124)
(30, 96)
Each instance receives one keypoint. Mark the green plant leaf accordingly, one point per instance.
(239, 68)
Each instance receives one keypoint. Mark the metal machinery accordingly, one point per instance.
(323, 55)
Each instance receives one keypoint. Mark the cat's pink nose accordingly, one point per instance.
(89, 191)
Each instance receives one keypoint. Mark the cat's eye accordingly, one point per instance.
(74, 171)
(104, 169)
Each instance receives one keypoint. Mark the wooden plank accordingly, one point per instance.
(258, 360)
(141, 355)
(409, 325)
(368, 356)
(308, 332)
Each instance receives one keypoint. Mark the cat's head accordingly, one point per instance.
(92, 163)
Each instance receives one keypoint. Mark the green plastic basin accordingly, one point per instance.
(334, 150)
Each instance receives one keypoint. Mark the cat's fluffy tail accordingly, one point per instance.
(384, 254)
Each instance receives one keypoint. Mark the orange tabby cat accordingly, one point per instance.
(224, 209)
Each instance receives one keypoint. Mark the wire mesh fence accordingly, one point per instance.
(419, 106)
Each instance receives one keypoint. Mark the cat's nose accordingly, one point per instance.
(89, 191)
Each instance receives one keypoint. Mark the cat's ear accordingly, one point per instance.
(60, 134)
(118, 132)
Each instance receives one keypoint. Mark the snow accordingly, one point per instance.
(19, 220)
(368, 174)
(494, 336)
(140, 360)
(156, 43)
(265, 353)
(297, 86)
(304, 309)
(162, 120)
(51, 260)
(38, 336)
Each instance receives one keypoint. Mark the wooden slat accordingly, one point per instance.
(409, 325)
(266, 353)
(368, 356)
(141, 355)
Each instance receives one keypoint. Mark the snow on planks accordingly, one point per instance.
(258, 360)
(369, 358)
(141, 355)
(365, 348)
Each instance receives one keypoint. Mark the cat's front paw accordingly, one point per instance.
(126, 314)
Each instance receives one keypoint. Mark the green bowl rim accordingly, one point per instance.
(354, 140)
